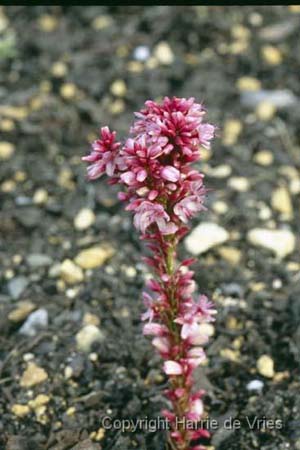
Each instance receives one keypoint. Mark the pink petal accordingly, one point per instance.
(169, 173)
(172, 368)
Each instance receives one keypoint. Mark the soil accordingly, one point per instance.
(50, 112)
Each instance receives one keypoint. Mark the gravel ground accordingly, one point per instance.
(71, 349)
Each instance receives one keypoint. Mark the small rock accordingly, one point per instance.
(33, 375)
(35, 322)
(281, 202)
(87, 336)
(248, 84)
(280, 99)
(28, 217)
(117, 107)
(17, 286)
(232, 355)
(48, 23)
(36, 260)
(265, 110)
(118, 88)
(40, 197)
(255, 385)
(70, 272)
(205, 236)
(20, 410)
(59, 69)
(232, 130)
(84, 219)
(240, 184)
(230, 254)
(91, 319)
(163, 53)
(281, 242)
(264, 158)
(220, 207)
(94, 257)
(278, 32)
(222, 171)
(68, 91)
(265, 366)
(6, 150)
(39, 400)
(101, 22)
(271, 55)
(22, 311)
(141, 53)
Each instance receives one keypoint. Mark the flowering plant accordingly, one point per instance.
(164, 191)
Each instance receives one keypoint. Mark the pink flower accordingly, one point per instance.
(206, 134)
(172, 368)
(162, 344)
(195, 334)
(148, 213)
(188, 207)
(195, 410)
(170, 173)
(103, 155)
(154, 329)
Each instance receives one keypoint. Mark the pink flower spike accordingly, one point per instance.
(169, 173)
(172, 368)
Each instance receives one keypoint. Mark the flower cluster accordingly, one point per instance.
(164, 191)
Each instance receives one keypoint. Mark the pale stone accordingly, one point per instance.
(87, 336)
(220, 207)
(232, 355)
(117, 107)
(281, 202)
(265, 366)
(70, 272)
(272, 55)
(68, 91)
(240, 184)
(71, 411)
(264, 158)
(33, 375)
(59, 69)
(101, 22)
(205, 236)
(22, 311)
(20, 410)
(240, 32)
(40, 197)
(91, 319)
(84, 219)
(6, 150)
(222, 171)
(118, 88)
(38, 401)
(248, 84)
(36, 321)
(232, 130)
(94, 257)
(265, 110)
(48, 23)
(163, 53)
(68, 372)
(281, 242)
(230, 254)
(255, 385)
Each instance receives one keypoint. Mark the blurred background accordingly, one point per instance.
(71, 348)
